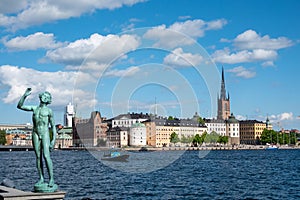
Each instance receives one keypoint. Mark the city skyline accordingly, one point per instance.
(139, 56)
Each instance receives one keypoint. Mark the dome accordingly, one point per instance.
(232, 120)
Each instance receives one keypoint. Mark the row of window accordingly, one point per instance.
(123, 122)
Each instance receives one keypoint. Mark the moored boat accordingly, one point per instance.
(115, 156)
(272, 147)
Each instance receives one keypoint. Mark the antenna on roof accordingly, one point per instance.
(155, 112)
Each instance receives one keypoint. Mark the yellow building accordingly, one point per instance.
(159, 130)
(250, 131)
(18, 137)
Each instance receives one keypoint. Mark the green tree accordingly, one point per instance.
(201, 121)
(212, 137)
(170, 118)
(174, 138)
(203, 136)
(185, 139)
(2, 137)
(197, 140)
(270, 136)
(223, 139)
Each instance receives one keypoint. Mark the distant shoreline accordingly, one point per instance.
(202, 148)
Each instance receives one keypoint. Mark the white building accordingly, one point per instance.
(233, 130)
(216, 125)
(138, 135)
(127, 120)
(70, 113)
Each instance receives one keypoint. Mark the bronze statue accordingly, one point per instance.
(42, 117)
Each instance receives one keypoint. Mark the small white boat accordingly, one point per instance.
(272, 147)
(115, 155)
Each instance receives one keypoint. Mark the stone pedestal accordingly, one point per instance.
(7, 193)
(45, 188)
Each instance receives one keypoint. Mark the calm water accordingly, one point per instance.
(252, 174)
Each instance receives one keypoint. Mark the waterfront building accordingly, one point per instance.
(89, 132)
(15, 126)
(127, 120)
(137, 135)
(69, 115)
(160, 129)
(18, 137)
(18, 140)
(64, 138)
(117, 137)
(216, 125)
(250, 131)
(233, 130)
(223, 101)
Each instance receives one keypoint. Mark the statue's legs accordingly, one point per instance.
(38, 153)
(46, 151)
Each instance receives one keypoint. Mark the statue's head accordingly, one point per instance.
(45, 97)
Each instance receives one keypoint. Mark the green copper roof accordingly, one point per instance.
(137, 125)
(232, 120)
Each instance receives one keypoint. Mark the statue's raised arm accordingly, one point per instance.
(21, 101)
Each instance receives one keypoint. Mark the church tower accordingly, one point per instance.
(223, 101)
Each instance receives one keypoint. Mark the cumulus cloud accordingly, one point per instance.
(167, 38)
(180, 59)
(268, 64)
(59, 84)
(32, 42)
(282, 117)
(121, 73)
(242, 72)
(178, 33)
(251, 47)
(286, 116)
(196, 28)
(35, 12)
(12, 6)
(96, 49)
(225, 56)
(251, 40)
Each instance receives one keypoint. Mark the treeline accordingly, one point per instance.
(198, 140)
(2, 137)
(274, 137)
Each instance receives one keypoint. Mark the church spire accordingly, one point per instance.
(223, 90)
(223, 101)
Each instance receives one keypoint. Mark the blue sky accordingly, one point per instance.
(125, 55)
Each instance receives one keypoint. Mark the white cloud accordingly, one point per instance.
(59, 84)
(167, 38)
(240, 117)
(282, 117)
(32, 42)
(181, 59)
(251, 47)
(251, 40)
(242, 72)
(178, 33)
(121, 73)
(196, 28)
(225, 56)
(12, 6)
(267, 63)
(286, 116)
(185, 17)
(35, 12)
(95, 49)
